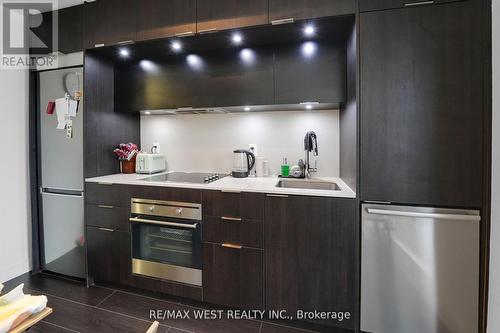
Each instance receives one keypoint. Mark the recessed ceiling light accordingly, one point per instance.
(176, 46)
(124, 52)
(309, 106)
(147, 65)
(147, 112)
(237, 38)
(309, 49)
(309, 30)
(247, 108)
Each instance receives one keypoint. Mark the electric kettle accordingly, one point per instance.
(243, 162)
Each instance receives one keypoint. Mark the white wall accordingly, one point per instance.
(15, 239)
(206, 142)
(494, 290)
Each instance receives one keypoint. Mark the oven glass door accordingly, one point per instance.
(173, 245)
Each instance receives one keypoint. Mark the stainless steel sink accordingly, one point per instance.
(308, 184)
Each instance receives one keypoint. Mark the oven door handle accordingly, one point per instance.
(171, 224)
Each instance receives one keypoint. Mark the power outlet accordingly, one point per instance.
(253, 148)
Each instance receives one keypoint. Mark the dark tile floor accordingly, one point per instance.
(98, 309)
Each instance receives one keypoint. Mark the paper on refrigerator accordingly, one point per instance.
(62, 112)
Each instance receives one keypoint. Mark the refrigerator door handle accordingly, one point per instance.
(61, 192)
(440, 216)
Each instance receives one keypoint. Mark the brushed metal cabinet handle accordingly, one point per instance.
(106, 206)
(231, 246)
(106, 229)
(420, 3)
(184, 34)
(207, 31)
(227, 218)
(277, 195)
(103, 183)
(125, 42)
(282, 21)
(99, 45)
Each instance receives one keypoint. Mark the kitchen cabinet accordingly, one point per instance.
(70, 32)
(306, 9)
(235, 77)
(159, 18)
(233, 276)
(109, 22)
(310, 72)
(368, 5)
(246, 205)
(107, 216)
(421, 105)
(213, 15)
(311, 255)
(154, 85)
(109, 255)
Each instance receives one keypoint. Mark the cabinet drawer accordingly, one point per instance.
(233, 230)
(233, 276)
(107, 216)
(368, 5)
(102, 194)
(243, 205)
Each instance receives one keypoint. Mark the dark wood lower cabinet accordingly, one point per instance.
(233, 277)
(311, 257)
(109, 255)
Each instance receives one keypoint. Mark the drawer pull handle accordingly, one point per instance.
(98, 45)
(227, 218)
(105, 206)
(103, 183)
(125, 42)
(184, 34)
(207, 31)
(277, 195)
(282, 21)
(231, 246)
(106, 229)
(421, 3)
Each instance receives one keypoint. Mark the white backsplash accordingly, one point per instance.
(205, 142)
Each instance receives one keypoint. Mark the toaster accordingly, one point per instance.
(149, 163)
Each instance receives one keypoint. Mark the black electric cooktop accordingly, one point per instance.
(187, 177)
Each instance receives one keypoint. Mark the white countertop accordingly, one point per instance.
(249, 184)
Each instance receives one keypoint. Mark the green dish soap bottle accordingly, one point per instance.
(285, 168)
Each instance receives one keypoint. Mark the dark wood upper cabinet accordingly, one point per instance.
(109, 22)
(160, 18)
(154, 85)
(213, 15)
(313, 71)
(70, 22)
(234, 77)
(421, 105)
(307, 9)
(368, 5)
(311, 255)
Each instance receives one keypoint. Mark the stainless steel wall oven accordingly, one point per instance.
(166, 240)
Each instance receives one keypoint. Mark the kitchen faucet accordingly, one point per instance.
(310, 145)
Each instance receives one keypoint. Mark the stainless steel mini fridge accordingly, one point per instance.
(419, 269)
(61, 163)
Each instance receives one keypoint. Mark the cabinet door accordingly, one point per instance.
(153, 85)
(367, 5)
(227, 14)
(109, 22)
(235, 77)
(306, 9)
(233, 276)
(310, 72)
(70, 22)
(421, 105)
(311, 255)
(160, 18)
(109, 255)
